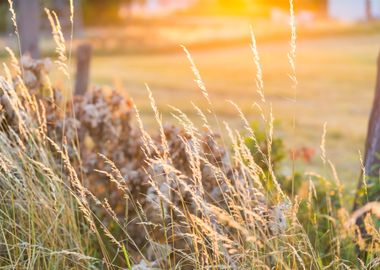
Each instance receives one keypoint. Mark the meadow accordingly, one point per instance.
(336, 78)
(101, 181)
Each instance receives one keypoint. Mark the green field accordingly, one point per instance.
(336, 81)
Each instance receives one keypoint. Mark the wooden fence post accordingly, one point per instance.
(372, 146)
(28, 20)
(83, 56)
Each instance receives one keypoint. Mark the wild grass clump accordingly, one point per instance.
(84, 186)
(97, 191)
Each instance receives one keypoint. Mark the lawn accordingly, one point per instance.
(336, 83)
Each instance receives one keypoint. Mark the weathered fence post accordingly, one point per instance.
(83, 55)
(28, 22)
(372, 146)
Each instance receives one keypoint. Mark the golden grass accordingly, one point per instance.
(332, 73)
(220, 210)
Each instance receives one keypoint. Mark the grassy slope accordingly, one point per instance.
(336, 81)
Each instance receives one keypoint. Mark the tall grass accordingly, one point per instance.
(180, 199)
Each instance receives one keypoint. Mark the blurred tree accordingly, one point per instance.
(368, 9)
(4, 16)
(368, 185)
(62, 8)
(100, 12)
(28, 23)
